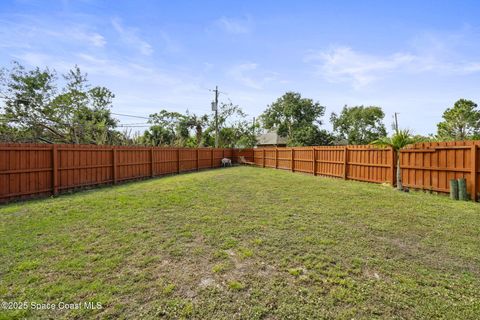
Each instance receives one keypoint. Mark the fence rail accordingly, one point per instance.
(34, 169)
(38, 169)
(426, 166)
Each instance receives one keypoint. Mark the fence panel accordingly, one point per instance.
(82, 165)
(427, 166)
(303, 160)
(258, 157)
(430, 166)
(25, 169)
(283, 158)
(41, 169)
(330, 161)
(370, 164)
(248, 154)
(165, 161)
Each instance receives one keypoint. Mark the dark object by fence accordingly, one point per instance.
(462, 189)
(454, 189)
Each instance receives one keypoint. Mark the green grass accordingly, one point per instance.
(243, 243)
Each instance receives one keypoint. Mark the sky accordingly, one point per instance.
(412, 57)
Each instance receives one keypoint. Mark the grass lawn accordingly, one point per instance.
(243, 243)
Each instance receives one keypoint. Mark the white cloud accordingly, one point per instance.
(76, 33)
(245, 74)
(343, 64)
(31, 32)
(130, 36)
(97, 40)
(235, 26)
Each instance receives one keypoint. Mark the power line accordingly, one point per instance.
(129, 115)
(133, 123)
(134, 126)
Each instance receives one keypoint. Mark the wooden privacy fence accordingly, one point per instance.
(430, 166)
(362, 163)
(427, 166)
(41, 169)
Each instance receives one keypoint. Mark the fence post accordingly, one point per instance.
(114, 158)
(151, 162)
(211, 160)
(314, 162)
(197, 158)
(345, 163)
(263, 162)
(276, 158)
(292, 162)
(474, 173)
(55, 169)
(392, 167)
(178, 160)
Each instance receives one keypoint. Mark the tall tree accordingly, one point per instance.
(198, 124)
(33, 110)
(460, 122)
(296, 118)
(28, 96)
(359, 124)
(168, 128)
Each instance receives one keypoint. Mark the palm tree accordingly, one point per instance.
(399, 140)
(197, 123)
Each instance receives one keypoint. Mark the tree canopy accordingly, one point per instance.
(298, 119)
(192, 130)
(359, 124)
(460, 122)
(35, 110)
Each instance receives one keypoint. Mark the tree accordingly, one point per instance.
(359, 124)
(397, 141)
(234, 130)
(34, 111)
(460, 122)
(28, 96)
(296, 118)
(158, 136)
(85, 111)
(168, 128)
(191, 130)
(197, 123)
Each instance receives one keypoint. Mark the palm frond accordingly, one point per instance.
(397, 141)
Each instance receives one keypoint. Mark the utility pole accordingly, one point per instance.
(396, 123)
(253, 129)
(216, 116)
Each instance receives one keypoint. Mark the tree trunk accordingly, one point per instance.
(399, 173)
(199, 137)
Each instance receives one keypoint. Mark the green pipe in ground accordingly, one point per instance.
(454, 189)
(462, 189)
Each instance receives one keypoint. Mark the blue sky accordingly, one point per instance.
(412, 57)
